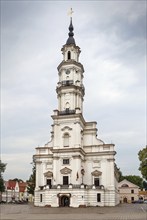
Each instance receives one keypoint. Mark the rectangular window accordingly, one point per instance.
(48, 182)
(40, 197)
(65, 180)
(98, 197)
(66, 140)
(65, 161)
(96, 181)
(132, 191)
(132, 198)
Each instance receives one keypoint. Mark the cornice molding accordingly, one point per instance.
(69, 62)
(76, 156)
(71, 150)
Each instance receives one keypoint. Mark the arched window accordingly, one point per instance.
(66, 140)
(68, 55)
(67, 106)
(96, 181)
(125, 185)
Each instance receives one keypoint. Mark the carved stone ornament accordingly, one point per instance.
(48, 174)
(66, 128)
(65, 170)
(96, 173)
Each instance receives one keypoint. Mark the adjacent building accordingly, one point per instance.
(15, 190)
(75, 168)
(143, 194)
(128, 191)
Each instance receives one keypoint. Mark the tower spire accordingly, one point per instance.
(70, 40)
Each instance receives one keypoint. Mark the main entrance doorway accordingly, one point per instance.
(64, 201)
(125, 200)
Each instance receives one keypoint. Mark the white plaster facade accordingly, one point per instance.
(75, 168)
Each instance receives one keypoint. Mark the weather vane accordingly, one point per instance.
(70, 12)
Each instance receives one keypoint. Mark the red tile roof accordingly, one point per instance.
(10, 184)
(22, 186)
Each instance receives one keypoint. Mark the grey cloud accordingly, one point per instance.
(111, 36)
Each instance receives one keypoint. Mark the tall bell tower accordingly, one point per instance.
(68, 126)
(70, 89)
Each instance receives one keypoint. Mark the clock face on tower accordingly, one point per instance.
(67, 72)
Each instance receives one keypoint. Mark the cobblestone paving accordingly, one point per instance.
(29, 212)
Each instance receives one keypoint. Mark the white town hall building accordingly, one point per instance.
(75, 168)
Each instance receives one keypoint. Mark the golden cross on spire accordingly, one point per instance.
(70, 12)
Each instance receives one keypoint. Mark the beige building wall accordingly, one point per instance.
(128, 191)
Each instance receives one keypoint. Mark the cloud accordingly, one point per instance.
(112, 37)
(18, 166)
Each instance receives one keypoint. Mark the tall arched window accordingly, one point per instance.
(66, 140)
(68, 55)
(67, 106)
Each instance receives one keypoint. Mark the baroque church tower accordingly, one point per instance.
(75, 168)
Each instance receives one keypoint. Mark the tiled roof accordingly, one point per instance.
(10, 184)
(22, 186)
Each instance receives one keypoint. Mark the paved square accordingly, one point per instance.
(29, 212)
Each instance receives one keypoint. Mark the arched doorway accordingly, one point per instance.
(64, 201)
(125, 200)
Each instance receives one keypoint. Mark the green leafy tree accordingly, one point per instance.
(2, 187)
(2, 170)
(137, 180)
(16, 179)
(145, 185)
(142, 154)
(31, 181)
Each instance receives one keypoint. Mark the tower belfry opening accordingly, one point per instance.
(69, 56)
(78, 166)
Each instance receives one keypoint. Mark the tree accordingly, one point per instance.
(31, 181)
(142, 154)
(2, 170)
(145, 185)
(137, 180)
(2, 187)
(17, 180)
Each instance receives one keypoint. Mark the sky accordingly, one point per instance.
(112, 38)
